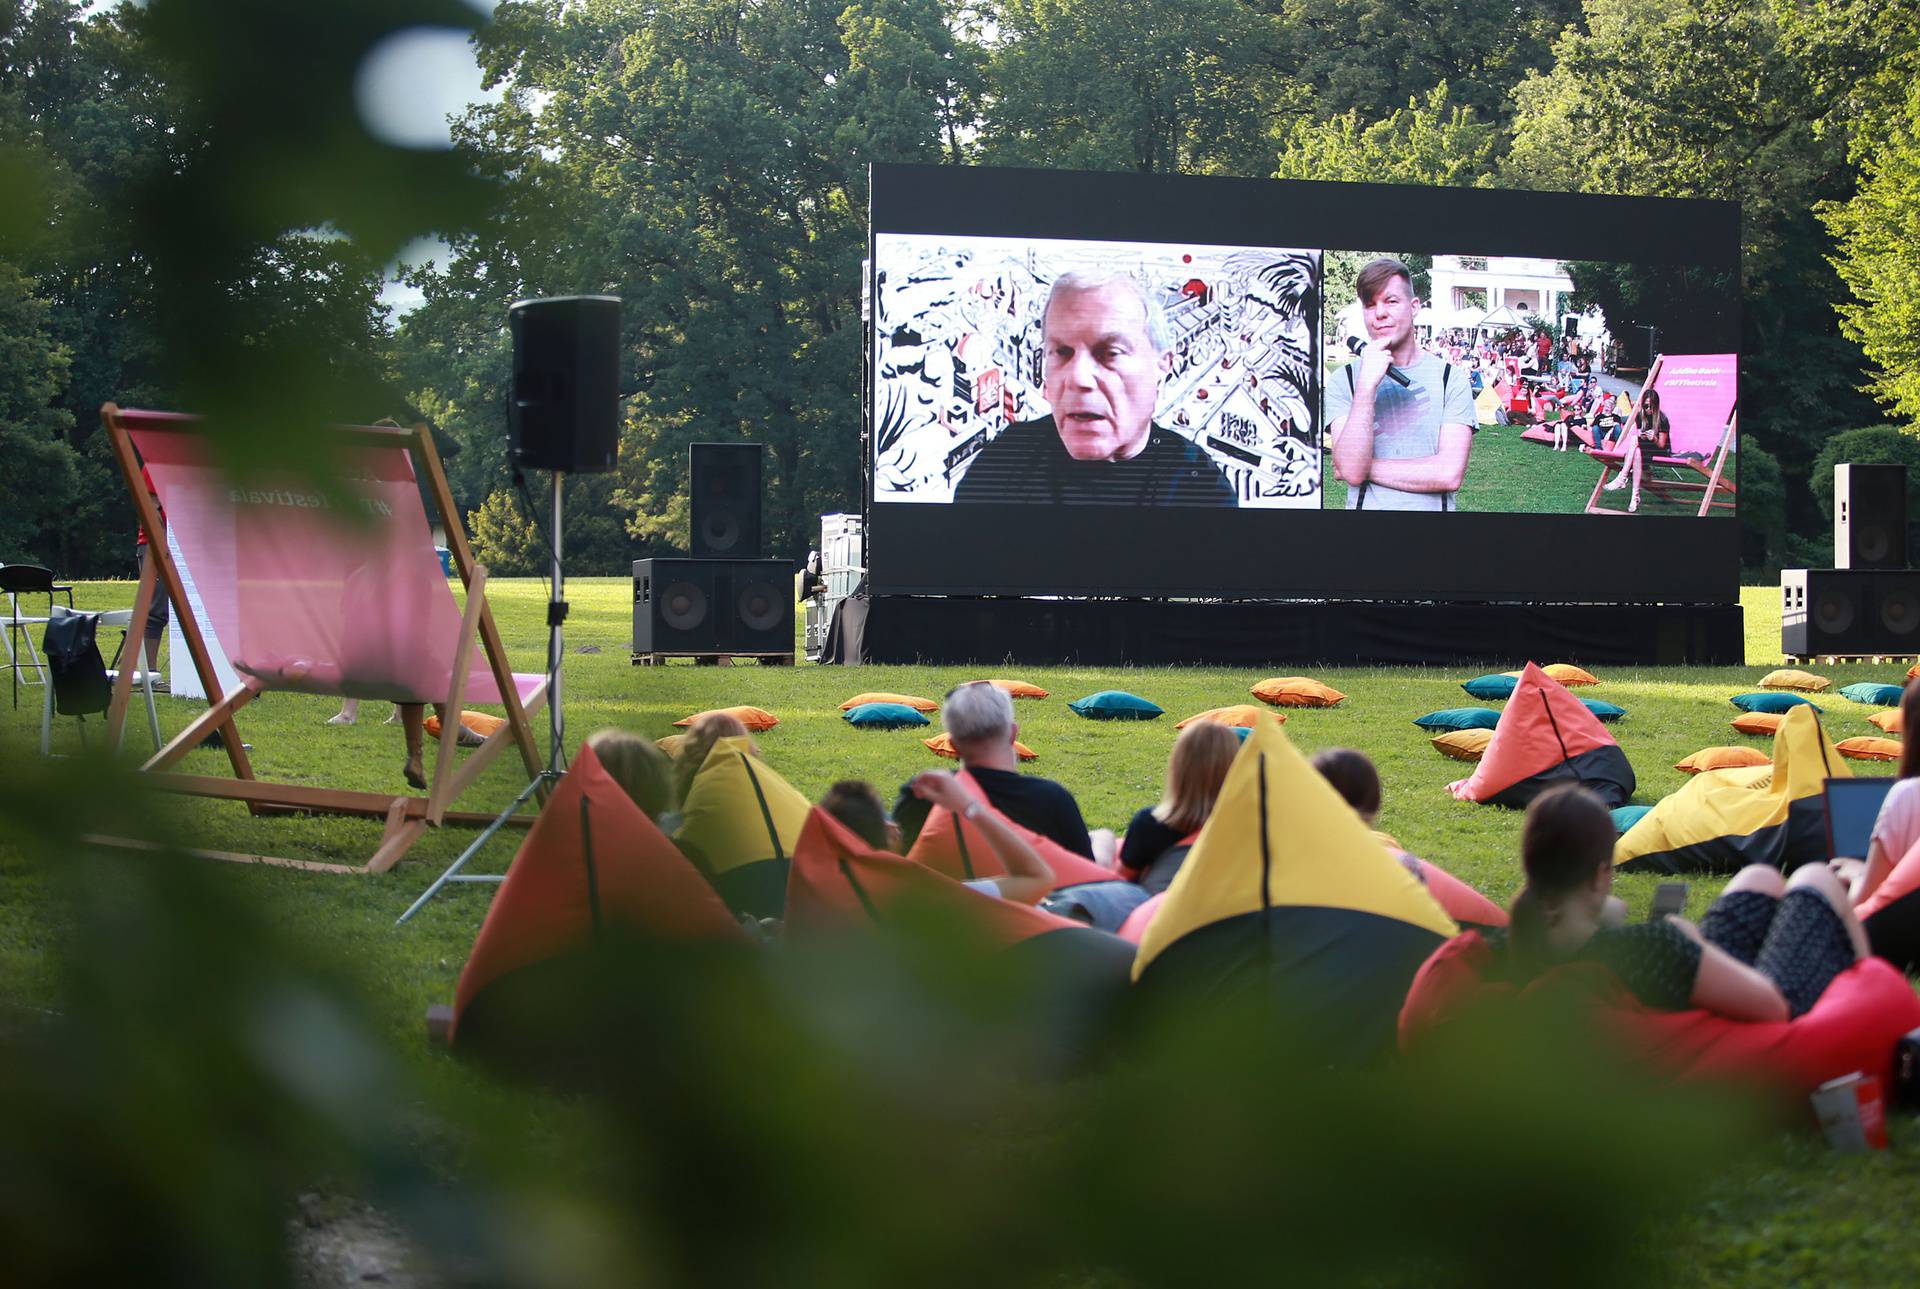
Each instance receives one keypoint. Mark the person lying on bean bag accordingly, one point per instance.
(1776, 982)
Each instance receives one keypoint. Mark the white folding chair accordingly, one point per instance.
(122, 618)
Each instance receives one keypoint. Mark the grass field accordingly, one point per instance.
(1508, 475)
(1804, 1215)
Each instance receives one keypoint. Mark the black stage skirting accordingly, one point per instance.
(957, 629)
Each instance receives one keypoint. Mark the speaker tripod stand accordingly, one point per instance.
(556, 727)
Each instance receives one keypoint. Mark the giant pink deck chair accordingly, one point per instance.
(1699, 394)
(331, 591)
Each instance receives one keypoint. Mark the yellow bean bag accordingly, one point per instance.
(739, 825)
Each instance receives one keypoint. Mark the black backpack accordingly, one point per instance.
(80, 683)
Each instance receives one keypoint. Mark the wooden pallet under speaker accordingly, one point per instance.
(715, 659)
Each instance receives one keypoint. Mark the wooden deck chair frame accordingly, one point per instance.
(1713, 483)
(406, 816)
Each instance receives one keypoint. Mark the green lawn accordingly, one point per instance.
(1801, 1214)
(1508, 475)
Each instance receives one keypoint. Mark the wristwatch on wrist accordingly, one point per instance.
(973, 808)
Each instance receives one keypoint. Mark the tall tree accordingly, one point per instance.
(705, 161)
(1703, 99)
(1157, 86)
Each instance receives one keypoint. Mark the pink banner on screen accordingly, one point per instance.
(323, 590)
(1697, 392)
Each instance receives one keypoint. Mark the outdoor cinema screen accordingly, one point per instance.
(1107, 384)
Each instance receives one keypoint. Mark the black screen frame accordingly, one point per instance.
(985, 549)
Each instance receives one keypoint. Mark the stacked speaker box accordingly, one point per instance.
(1849, 611)
(712, 606)
(725, 598)
(1870, 602)
(1870, 516)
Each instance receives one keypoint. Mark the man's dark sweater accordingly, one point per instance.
(1040, 805)
(1028, 463)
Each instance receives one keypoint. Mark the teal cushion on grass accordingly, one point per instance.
(1491, 689)
(1769, 700)
(1874, 695)
(1115, 705)
(1242, 731)
(1625, 817)
(1605, 711)
(884, 716)
(1459, 718)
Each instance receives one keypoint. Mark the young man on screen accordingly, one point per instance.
(1398, 447)
(1105, 349)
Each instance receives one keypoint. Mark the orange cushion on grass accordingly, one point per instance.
(1867, 748)
(1787, 678)
(905, 700)
(1888, 721)
(942, 745)
(1239, 714)
(1723, 758)
(1464, 745)
(479, 722)
(754, 718)
(1569, 675)
(1296, 691)
(1018, 688)
(1767, 723)
(1913, 672)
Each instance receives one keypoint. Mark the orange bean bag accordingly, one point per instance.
(1018, 688)
(754, 718)
(942, 745)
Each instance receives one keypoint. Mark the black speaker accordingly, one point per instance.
(712, 606)
(1869, 516)
(724, 492)
(563, 409)
(1849, 611)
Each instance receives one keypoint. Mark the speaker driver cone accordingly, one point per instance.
(759, 606)
(720, 529)
(683, 606)
(1900, 613)
(1832, 612)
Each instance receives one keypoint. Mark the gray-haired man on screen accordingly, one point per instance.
(1105, 349)
(1398, 446)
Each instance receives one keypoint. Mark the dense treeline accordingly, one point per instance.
(705, 160)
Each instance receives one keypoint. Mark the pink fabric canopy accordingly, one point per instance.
(321, 590)
(1698, 392)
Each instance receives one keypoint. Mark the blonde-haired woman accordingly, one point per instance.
(1151, 853)
(692, 754)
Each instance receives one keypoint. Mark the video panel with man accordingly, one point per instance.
(1127, 374)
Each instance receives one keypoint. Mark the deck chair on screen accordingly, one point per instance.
(1699, 397)
(333, 591)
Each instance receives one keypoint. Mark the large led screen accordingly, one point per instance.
(1125, 385)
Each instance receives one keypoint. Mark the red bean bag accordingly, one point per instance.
(1854, 1026)
(961, 851)
(1136, 924)
(1462, 902)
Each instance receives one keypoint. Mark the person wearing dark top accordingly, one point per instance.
(1105, 348)
(979, 719)
(1766, 950)
(1029, 463)
(1151, 853)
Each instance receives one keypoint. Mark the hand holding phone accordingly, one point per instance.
(1670, 900)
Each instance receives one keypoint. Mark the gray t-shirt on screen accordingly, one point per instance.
(1406, 423)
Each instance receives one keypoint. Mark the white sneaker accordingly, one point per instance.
(1616, 485)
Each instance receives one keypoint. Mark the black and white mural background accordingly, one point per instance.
(957, 355)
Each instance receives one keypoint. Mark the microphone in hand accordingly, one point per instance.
(1394, 374)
